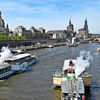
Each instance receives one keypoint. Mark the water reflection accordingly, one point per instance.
(57, 93)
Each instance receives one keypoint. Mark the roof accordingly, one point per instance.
(53, 31)
(70, 86)
(19, 56)
(81, 29)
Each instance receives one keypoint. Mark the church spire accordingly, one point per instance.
(86, 24)
(0, 15)
(85, 21)
(70, 27)
(70, 22)
(7, 27)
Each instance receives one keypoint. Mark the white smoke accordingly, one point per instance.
(73, 40)
(82, 62)
(4, 54)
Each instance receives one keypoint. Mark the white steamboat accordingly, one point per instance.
(5, 71)
(21, 62)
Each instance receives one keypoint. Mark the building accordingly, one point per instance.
(57, 34)
(19, 30)
(84, 32)
(94, 37)
(42, 30)
(3, 30)
(30, 34)
(62, 34)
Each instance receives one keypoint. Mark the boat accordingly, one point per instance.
(21, 62)
(58, 75)
(5, 70)
(19, 51)
(73, 42)
(72, 45)
(51, 46)
(71, 88)
(98, 49)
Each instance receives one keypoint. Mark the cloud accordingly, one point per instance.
(24, 8)
(51, 14)
(42, 6)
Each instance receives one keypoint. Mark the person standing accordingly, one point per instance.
(83, 97)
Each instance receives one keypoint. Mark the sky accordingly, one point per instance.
(51, 14)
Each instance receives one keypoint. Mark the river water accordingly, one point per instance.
(36, 84)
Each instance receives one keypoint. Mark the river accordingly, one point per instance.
(36, 84)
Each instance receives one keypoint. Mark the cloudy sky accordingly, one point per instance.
(51, 14)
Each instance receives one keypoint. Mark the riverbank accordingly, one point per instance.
(15, 43)
(39, 46)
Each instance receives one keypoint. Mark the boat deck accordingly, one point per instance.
(4, 66)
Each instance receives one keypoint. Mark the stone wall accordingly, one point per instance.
(14, 43)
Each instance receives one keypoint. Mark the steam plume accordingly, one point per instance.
(5, 54)
(73, 40)
(82, 62)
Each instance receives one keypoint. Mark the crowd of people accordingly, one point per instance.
(73, 97)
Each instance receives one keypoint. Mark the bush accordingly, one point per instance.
(2, 37)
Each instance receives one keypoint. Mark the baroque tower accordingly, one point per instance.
(0, 15)
(70, 27)
(86, 24)
(84, 32)
(2, 23)
(86, 28)
(7, 29)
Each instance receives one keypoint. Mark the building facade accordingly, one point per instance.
(3, 30)
(19, 30)
(30, 34)
(84, 32)
(63, 34)
(57, 34)
(2, 23)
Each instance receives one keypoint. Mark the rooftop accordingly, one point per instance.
(19, 56)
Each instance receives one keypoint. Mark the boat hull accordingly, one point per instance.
(5, 74)
(98, 49)
(57, 81)
(87, 81)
